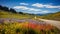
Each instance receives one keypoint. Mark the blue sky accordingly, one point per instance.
(33, 6)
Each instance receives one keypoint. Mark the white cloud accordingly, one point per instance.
(31, 10)
(50, 6)
(38, 5)
(43, 12)
(37, 12)
(26, 8)
(21, 7)
(45, 5)
(24, 4)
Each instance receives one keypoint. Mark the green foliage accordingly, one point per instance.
(18, 30)
(29, 31)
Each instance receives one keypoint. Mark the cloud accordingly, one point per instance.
(21, 7)
(38, 5)
(37, 12)
(50, 6)
(31, 10)
(42, 12)
(26, 8)
(45, 11)
(44, 5)
(24, 4)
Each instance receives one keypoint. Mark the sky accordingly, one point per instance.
(33, 6)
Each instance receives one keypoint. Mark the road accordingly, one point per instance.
(52, 22)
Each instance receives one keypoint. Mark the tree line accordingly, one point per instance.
(9, 10)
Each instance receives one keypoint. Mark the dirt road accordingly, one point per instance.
(52, 22)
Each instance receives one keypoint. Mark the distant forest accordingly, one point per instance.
(9, 9)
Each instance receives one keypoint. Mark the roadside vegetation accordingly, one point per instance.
(27, 28)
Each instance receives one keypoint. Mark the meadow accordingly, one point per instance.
(27, 28)
(8, 24)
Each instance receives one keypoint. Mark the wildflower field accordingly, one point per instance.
(27, 28)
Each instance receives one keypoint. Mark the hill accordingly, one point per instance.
(53, 16)
(5, 14)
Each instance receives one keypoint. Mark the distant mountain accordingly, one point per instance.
(44, 14)
(40, 14)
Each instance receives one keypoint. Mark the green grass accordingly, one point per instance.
(54, 16)
(4, 14)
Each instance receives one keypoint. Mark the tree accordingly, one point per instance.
(20, 12)
(12, 10)
(4, 8)
(0, 7)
